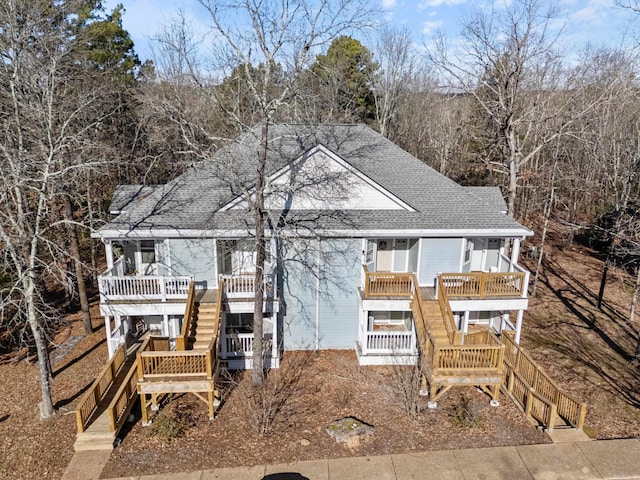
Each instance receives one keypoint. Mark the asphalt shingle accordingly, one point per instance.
(194, 199)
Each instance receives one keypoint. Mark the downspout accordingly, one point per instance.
(317, 346)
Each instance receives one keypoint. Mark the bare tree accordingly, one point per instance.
(395, 55)
(263, 48)
(47, 117)
(510, 65)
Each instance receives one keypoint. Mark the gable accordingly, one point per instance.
(321, 180)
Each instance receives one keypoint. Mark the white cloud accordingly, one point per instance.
(389, 4)
(439, 3)
(429, 27)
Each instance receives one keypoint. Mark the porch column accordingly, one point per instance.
(125, 327)
(165, 325)
(515, 253)
(108, 251)
(505, 320)
(519, 325)
(465, 323)
(107, 330)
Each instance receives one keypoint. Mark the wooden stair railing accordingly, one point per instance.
(90, 402)
(187, 322)
(161, 371)
(538, 395)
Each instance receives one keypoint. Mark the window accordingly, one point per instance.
(148, 251)
(239, 323)
(467, 251)
(371, 245)
(385, 320)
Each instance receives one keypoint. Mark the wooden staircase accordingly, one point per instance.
(206, 325)
(434, 321)
(98, 430)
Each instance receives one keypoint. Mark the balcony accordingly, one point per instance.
(381, 285)
(242, 286)
(386, 342)
(114, 285)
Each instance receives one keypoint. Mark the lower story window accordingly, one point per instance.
(390, 320)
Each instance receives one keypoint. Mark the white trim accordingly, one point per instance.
(149, 233)
(419, 259)
(340, 161)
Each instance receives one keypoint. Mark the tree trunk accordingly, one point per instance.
(47, 409)
(547, 215)
(603, 280)
(257, 374)
(74, 249)
(513, 187)
(634, 299)
(92, 243)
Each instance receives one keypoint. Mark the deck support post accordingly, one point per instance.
(143, 409)
(210, 397)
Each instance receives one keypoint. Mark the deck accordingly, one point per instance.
(449, 358)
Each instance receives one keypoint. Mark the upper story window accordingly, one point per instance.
(467, 251)
(148, 251)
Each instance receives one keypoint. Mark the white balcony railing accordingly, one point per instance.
(391, 342)
(114, 285)
(243, 286)
(241, 345)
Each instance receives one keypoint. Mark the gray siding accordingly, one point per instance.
(438, 255)
(339, 300)
(340, 277)
(194, 256)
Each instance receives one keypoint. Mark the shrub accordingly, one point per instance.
(171, 422)
(467, 415)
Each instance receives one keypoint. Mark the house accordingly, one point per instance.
(356, 226)
(368, 249)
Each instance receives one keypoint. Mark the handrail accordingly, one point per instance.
(91, 399)
(484, 284)
(468, 357)
(522, 369)
(381, 284)
(160, 287)
(123, 400)
(455, 335)
(187, 322)
(156, 363)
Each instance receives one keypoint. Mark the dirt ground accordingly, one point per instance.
(587, 351)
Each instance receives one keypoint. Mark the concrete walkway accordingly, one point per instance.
(604, 459)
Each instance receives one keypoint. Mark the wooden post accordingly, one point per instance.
(79, 422)
(140, 366)
(143, 408)
(529, 402)
(366, 284)
(211, 407)
(495, 392)
(208, 362)
(553, 414)
(581, 416)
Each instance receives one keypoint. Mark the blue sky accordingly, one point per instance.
(599, 22)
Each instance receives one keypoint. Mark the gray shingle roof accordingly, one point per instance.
(126, 195)
(193, 200)
(490, 195)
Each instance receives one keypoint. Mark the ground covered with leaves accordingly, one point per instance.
(586, 350)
